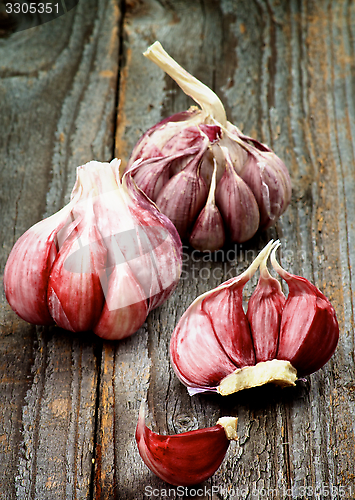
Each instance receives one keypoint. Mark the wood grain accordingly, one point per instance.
(78, 89)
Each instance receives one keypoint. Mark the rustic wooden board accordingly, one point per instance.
(285, 72)
(57, 98)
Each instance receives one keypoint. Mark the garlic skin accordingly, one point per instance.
(216, 347)
(188, 458)
(101, 263)
(252, 186)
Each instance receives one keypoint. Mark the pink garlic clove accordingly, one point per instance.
(198, 358)
(212, 339)
(188, 458)
(28, 268)
(183, 197)
(237, 204)
(152, 176)
(75, 294)
(208, 231)
(309, 330)
(264, 314)
(268, 178)
(125, 308)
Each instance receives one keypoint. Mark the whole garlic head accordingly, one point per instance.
(101, 263)
(212, 181)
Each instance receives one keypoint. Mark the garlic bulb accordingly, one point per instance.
(217, 347)
(213, 182)
(188, 458)
(101, 263)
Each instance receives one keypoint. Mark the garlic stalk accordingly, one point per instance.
(261, 183)
(101, 263)
(217, 347)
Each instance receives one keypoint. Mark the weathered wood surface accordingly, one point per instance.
(78, 88)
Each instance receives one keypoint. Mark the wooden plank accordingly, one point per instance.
(57, 105)
(283, 70)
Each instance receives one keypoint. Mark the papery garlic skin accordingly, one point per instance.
(101, 263)
(188, 458)
(216, 347)
(252, 188)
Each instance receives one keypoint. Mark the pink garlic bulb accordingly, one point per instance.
(175, 160)
(101, 263)
(218, 347)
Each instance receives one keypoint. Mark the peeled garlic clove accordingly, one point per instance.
(208, 231)
(237, 204)
(212, 339)
(309, 330)
(183, 197)
(188, 458)
(28, 268)
(264, 314)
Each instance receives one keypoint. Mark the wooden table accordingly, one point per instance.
(78, 88)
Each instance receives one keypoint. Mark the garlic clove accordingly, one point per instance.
(198, 358)
(28, 267)
(309, 330)
(152, 175)
(264, 314)
(183, 197)
(208, 231)
(125, 308)
(188, 458)
(237, 204)
(267, 176)
(75, 294)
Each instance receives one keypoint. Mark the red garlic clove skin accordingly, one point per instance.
(101, 263)
(188, 458)
(253, 186)
(309, 329)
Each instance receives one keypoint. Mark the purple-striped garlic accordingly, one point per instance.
(218, 347)
(212, 181)
(188, 458)
(101, 263)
